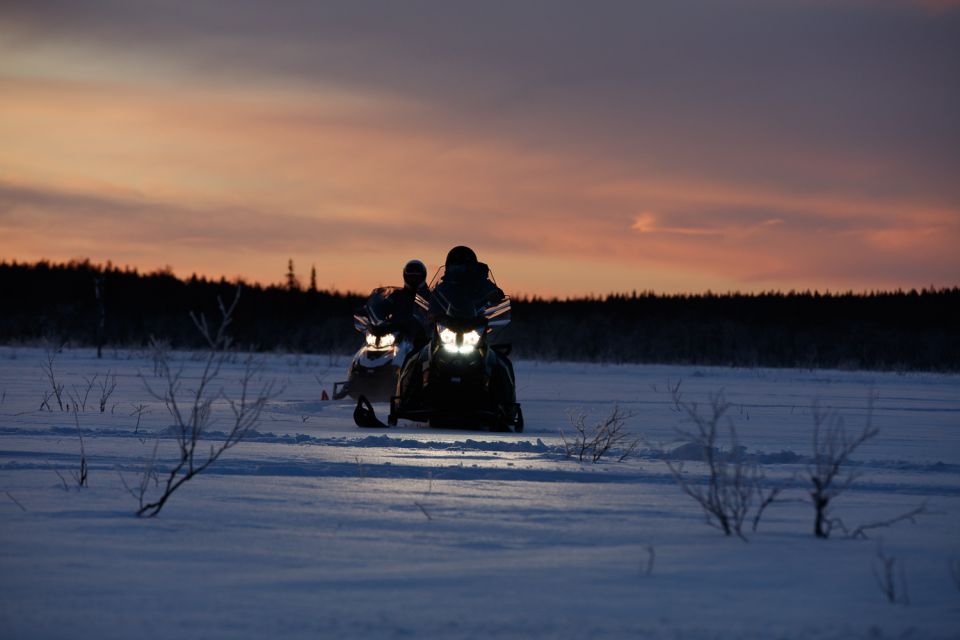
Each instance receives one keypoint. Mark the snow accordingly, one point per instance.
(313, 528)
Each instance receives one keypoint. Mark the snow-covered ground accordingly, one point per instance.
(312, 528)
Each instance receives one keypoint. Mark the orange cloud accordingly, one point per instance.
(235, 182)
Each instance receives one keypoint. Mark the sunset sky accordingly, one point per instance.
(577, 146)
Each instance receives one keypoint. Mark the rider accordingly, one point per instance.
(463, 271)
(406, 312)
(401, 309)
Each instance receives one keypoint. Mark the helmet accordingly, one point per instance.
(414, 274)
(461, 255)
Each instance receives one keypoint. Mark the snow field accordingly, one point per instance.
(313, 528)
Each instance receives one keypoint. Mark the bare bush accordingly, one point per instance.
(891, 577)
(832, 448)
(735, 486)
(675, 394)
(193, 415)
(596, 439)
(55, 387)
(107, 387)
(138, 411)
(80, 476)
(78, 397)
(45, 401)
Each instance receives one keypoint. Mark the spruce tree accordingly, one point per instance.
(292, 283)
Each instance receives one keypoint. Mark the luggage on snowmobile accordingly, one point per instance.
(388, 339)
(460, 379)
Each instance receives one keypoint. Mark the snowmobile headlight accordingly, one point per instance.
(371, 339)
(471, 338)
(447, 336)
(388, 340)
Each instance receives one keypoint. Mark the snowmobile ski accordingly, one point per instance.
(365, 417)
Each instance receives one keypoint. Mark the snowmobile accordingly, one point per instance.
(460, 378)
(387, 342)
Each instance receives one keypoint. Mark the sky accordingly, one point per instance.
(578, 147)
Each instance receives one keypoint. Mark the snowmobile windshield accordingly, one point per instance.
(377, 314)
(468, 294)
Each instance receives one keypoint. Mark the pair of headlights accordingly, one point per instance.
(454, 342)
(381, 342)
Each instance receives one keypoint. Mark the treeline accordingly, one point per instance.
(58, 303)
(912, 330)
(915, 330)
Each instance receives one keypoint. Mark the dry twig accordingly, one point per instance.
(15, 501)
(107, 388)
(80, 477)
(735, 487)
(191, 418)
(56, 387)
(891, 577)
(595, 440)
(832, 448)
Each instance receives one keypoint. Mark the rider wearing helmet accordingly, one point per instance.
(463, 270)
(415, 276)
(407, 314)
(402, 309)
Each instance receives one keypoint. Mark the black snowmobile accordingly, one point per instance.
(460, 379)
(388, 339)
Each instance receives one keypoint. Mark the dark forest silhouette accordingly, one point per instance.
(86, 304)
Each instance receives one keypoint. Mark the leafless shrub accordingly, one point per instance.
(192, 416)
(138, 411)
(107, 387)
(675, 394)
(595, 440)
(832, 448)
(80, 476)
(56, 387)
(735, 487)
(78, 397)
(891, 577)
